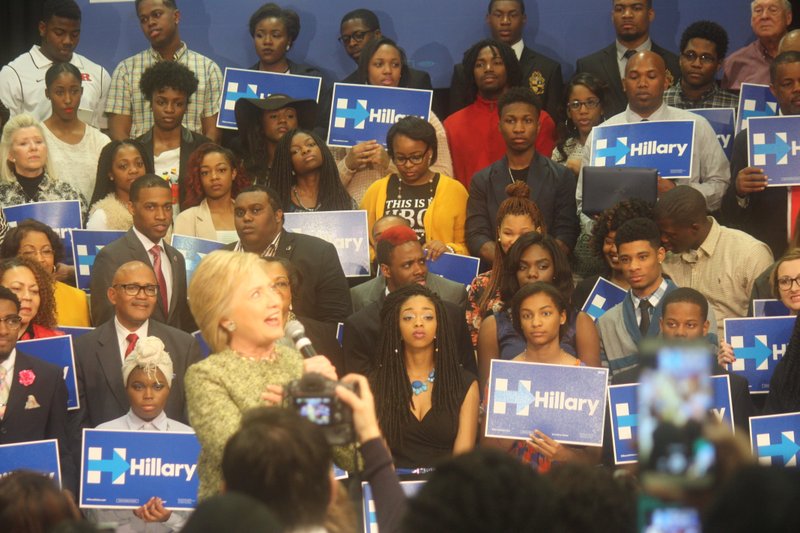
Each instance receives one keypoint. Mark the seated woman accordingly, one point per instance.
(583, 103)
(274, 30)
(434, 205)
(34, 288)
(38, 242)
(382, 62)
(216, 177)
(240, 315)
(74, 145)
(516, 215)
(427, 404)
(533, 258)
(27, 173)
(120, 163)
(540, 313)
(147, 375)
(305, 176)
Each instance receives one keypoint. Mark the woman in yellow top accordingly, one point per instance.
(434, 205)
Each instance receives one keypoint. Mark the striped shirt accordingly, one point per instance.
(714, 97)
(125, 97)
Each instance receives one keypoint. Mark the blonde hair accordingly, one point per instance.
(211, 291)
(11, 128)
(792, 254)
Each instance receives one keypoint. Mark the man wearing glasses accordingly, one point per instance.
(100, 353)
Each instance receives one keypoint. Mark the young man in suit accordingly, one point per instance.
(151, 206)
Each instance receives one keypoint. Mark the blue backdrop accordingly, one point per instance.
(433, 33)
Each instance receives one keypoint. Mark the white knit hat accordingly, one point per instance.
(149, 355)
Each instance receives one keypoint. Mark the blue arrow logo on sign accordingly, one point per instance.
(521, 398)
(249, 93)
(358, 114)
(758, 352)
(628, 421)
(618, 151)
(786, 449)
(779, 148)
(116, 465)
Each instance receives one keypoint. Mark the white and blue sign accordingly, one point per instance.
(75, 331)
(86, 244)
(39, 456)
(56, 351)
(775, 439)
(193, 249)
(758, 344)
(366, 112)
(723, 122)
(665, 145)
(124, 469)
(754, 101)
(459, 268)
(61, 216)
(243, 83)
(567, 403)
(774, 145)
(410, 488)
(769, 307)
(346, 230)
(603, 297)
(205, 349)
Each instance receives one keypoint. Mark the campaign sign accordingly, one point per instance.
(723, 122)
(754, 101)
(340, 332)
(366, 112)
(775, 439)
(39, 456)
(459, 268)
(410, 488)
(86, 244)
(567, 403)
(74, 331)
(773, 144)
(346, 230)
(56, 351)
(124, 469)
(193, 249)
(61, 216)
(205, 349)
(603, 297)
(763, 308)
(243, 83)
(758, 344)
(665, 145)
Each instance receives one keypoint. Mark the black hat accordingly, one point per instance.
(248, 110)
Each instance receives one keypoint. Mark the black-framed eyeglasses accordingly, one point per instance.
(591, 103)
(415, 159)
(706, 59)
(133, 289)
(356, 37)
(785, 282)
(11, 321)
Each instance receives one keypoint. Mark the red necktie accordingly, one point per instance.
(162, 283)
(132, 338)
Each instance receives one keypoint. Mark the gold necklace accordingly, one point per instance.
(401, 184)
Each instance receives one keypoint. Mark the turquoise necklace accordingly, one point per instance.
(418, 387)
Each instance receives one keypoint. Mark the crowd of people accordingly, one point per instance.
(499, 178)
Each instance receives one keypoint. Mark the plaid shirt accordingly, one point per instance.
(654, 299)
(715, 97)
(125, 97)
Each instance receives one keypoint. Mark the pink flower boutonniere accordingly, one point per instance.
(26, 378)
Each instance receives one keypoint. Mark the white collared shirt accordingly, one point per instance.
(622, 49)
(518, 47)
(122, 335)
(166, 265)
(8, 364)
(129, 421)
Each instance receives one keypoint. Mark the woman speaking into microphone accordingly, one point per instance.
(240, 313)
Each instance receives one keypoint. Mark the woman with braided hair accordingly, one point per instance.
(427, 404)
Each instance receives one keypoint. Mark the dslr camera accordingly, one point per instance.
(314, 397)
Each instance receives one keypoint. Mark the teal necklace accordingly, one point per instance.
(418, 387)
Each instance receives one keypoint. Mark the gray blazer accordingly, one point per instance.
(373, 290)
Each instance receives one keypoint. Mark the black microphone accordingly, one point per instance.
(296, 331)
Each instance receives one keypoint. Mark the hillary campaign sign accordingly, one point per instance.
(410, 488)
(665, 145)
(39, 456)
(459, 268)
(758, 344)
(243, 83)
(366, 112)
(775, 439)
(770, 307)
(124, 469)
(346, 230)
(754, 101)
(75, 331)
(773, 144)
(205, 349)
(61, 216)
(603, 297)
(86, 244)
(565, 402)
(56, 351)
(193, 249)
(723, 122)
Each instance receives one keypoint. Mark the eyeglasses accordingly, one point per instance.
(785, 283)
(706, 59)
(591, 103)
(44, 252)
(11, 321)
(356, 37)
(415, 159)
(133, 289)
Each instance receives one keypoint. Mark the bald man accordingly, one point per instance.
(645, 83)
(790, 42)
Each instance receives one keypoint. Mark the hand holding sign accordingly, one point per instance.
(750, 180)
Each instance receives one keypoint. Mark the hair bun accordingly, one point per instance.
(518, 189)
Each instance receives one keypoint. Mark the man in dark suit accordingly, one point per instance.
(631, 20)
(33, 396)
(151, 207)
(324, 293)
(506, 20)
(99, 354)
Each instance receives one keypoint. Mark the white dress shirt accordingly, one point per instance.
(166, 266)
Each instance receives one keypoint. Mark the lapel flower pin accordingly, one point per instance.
(31, 403)
(26, 378)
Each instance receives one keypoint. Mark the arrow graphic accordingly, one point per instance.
(757, 113)
(759, 352)
(249, 93)
(617, 151)
(117, 465)
(359, 114)
(779, 148)
(628, 421)
(521, 398)
(787, 449)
